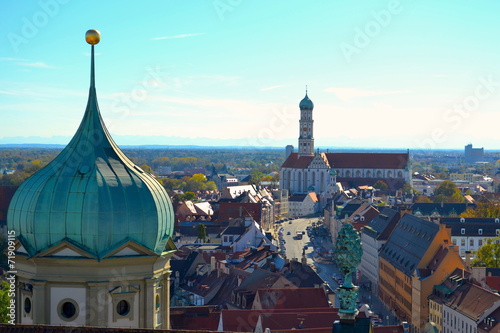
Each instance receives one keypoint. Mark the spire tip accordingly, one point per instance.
(93, 36)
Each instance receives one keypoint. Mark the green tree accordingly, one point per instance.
(256, 177)
(202, 232)
(4, 302)
(381, 185)
(189, 196)
(408, 189)
(488, 255)
(447, 191)
(445, 188)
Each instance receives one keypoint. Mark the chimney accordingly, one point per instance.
(467, 260)
(213, 263)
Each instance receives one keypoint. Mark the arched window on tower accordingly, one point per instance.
(348, 173)
(358, 174)
(368, 174)
(379, 174)
(400, 174)
(389, 174)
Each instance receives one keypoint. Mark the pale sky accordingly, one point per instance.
(388, 74)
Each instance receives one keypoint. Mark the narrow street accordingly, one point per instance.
(319, 253)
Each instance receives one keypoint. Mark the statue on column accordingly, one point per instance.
(348, 254)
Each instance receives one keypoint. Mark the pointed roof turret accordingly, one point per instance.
(91, 195)
(306, 103)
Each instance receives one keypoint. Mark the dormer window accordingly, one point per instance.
(462, 231)
(480, 231)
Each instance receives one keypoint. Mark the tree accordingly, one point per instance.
(422, 199)
(4, 302)
(381, 185)
(408, 189)
(189, 196)
(146, 168)
(202, 232)
(446, 188)
(256, 177)
(488, 255)
(447, 192)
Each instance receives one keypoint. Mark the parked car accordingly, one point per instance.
(288, 233)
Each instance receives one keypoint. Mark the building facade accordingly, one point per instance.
(417, 256)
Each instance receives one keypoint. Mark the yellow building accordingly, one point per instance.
(417, 256)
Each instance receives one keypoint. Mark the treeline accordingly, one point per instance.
(26, 161)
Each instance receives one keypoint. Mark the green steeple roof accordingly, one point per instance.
(92, 196)
(306, 103)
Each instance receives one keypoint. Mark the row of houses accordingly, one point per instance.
(406, 258)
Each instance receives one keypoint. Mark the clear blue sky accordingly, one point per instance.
(395, 74)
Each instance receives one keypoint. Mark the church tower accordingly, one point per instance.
(306, 139)
(93, 235)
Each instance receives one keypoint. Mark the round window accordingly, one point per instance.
(27, 305)
(68, 310)
(123, 308)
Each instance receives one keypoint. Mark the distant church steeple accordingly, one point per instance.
(306, 139)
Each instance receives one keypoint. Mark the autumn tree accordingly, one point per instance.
(488, 255)
(484, 209)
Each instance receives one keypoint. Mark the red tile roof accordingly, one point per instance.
(353, 160)
(194, 318)
(297, 162)
(299, 320)
(388, 329)
(246, 320)
(493, 282)
(472, 300)
(368, 160)
(233, 210)
(284, 298)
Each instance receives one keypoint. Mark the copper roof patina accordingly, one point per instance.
(92, 196)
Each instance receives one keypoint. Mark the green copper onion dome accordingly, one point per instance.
(306, 103)
(91, 195)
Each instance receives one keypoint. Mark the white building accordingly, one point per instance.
(469, 234)
(373, 237)
(303, 204)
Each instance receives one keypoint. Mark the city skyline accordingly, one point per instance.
(387, 74)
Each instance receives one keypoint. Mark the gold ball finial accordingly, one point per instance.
(93, 36)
